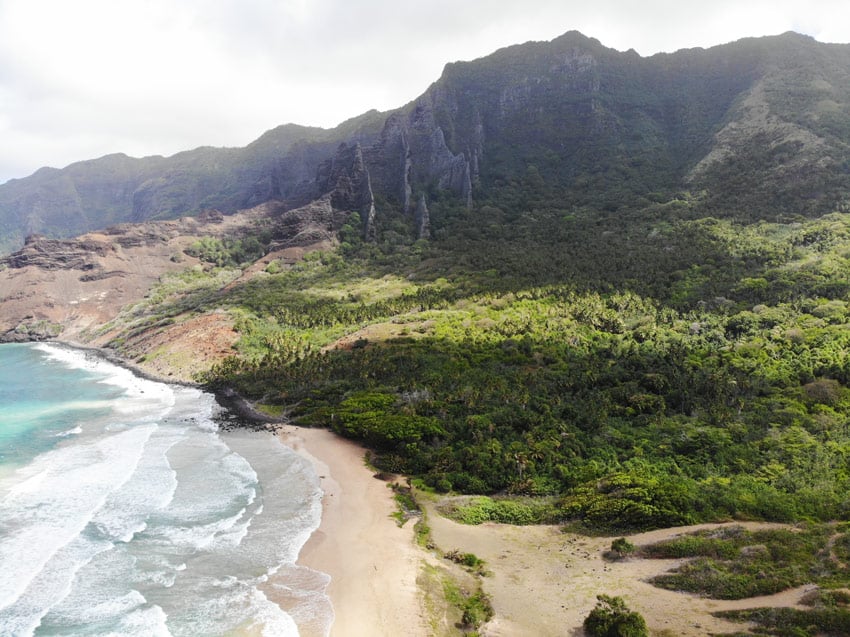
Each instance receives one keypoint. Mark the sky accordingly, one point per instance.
(80, 79)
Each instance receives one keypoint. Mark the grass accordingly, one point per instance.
(178, 295)
(792, 622)
(436, 586)
(518, 511)
(275, 411)
(462, 606)
(475, 607)
(735, 563)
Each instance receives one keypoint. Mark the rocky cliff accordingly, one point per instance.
(605, 128)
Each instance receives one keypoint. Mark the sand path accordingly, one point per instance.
(544, 582)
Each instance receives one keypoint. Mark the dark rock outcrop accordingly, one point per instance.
(314, 223)
(347, 181)
(54, 254)
(412, 153)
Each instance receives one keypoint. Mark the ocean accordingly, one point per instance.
(125, 509)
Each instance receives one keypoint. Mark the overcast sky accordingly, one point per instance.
(83, 78)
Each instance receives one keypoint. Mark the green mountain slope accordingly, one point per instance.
(756, 129)
(115, 189)
(660, 371)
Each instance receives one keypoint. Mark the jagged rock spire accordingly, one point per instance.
(347, 179)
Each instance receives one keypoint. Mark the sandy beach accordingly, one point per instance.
(542, 582)
(373, 563)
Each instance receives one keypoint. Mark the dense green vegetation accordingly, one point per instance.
(507, 510)
(646, 369)
(584, 334)
(227, 252)
(643, 321)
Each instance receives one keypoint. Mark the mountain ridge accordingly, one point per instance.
(588, 117)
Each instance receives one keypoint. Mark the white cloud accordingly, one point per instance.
(90, 77)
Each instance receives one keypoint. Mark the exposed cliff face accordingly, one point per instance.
(317, 222)
(348, 182)
(593, 121)
(412, 153)
(53, 287)
(52, 254)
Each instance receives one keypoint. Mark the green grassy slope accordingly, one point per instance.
(660, 370)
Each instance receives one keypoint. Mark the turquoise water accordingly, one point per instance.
(125, 510)
(40, 401)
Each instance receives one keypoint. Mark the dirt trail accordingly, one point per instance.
(544, 582)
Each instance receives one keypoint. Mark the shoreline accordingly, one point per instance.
(111, 356)
(373, 563)
(543, 581)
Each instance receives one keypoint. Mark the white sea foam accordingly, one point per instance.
(270, 617)
(111, 607)
(52, 506)
(70, 432)
(215, 489)
(143, 398)
(149, 489)
(307, 601)
(142, 622)
(235, 608)
(125, 614)
(101, 593)
(49, 411)
(152, 522)
(227, 531)
(50, 584)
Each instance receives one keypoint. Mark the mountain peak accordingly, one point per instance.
(607, 128)
(578, 38)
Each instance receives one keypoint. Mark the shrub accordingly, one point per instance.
(469, 560)
(622, 547)
(477, 610)
(612, 618)
(482, 509)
